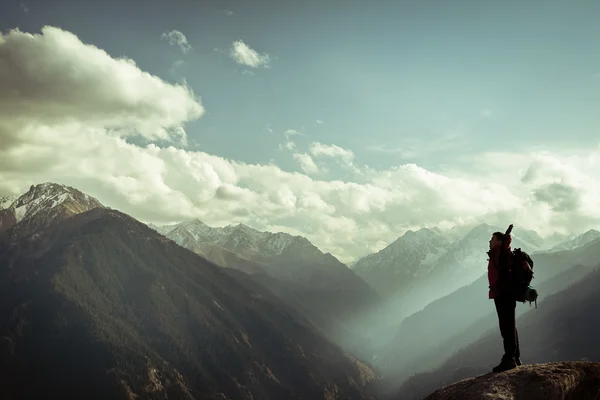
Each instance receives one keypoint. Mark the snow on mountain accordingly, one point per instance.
(576, 242)
(43, 203)
(425, 271)
(410, 256)
(240, 239)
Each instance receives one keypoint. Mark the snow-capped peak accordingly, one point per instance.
(408, 253)
(578, 241)
(239, 238)
(46, 197)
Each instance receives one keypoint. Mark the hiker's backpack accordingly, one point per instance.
(521, 274)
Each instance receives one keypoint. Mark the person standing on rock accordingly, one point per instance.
(499, 265)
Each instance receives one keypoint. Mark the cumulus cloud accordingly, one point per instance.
(52, 78)
(306, 162)
(176, 38)
(68, 108)
(242, 54)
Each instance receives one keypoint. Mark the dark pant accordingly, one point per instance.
(505, 307)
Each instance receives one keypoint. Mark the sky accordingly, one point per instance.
(347, 122)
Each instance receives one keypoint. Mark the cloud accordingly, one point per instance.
(559, 196)
(241, 53)
(248, 72)
(74, 129)
(318, 149)
(24, 8)
(53, 79)
(228, 12)
(292, 132)
(306, 162)
(288, 145)
(176, 38)
(320, 121)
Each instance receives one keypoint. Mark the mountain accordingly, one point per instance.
(462, 263)
(552, 381)
(41, 205)
(564, 327)
(98, 305)
(577, 242)
(241, 239)
(410, 256)
(427, 338)
(318, 285)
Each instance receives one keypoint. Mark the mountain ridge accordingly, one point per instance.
(154, 318)
(562, 328)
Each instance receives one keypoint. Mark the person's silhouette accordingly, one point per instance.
(499, 265)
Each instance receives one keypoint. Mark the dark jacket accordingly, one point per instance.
(498, 271)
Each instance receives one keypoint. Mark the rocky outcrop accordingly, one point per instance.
(576, 380)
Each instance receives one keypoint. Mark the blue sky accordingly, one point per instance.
(380, 74)
(435, 83)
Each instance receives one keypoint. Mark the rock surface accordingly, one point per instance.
(577, 380)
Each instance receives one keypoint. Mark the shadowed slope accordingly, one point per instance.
(565, 327)
(101, 306)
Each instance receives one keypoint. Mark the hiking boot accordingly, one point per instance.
(518, 361)
(505, 365)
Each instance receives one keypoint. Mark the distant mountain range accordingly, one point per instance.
(95, 305)
(577, 242)
(423, 266)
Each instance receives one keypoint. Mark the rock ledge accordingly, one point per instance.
(576, 380)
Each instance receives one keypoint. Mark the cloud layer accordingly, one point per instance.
(67, 110)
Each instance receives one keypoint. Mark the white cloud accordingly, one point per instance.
(39, 86)
(57, 126)
(241, 53)
(320, 121)
(24, 8)
(288, 145)
(176, 38)
(318, 149)
(228, 12)
(305, 160)
(293, 132)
